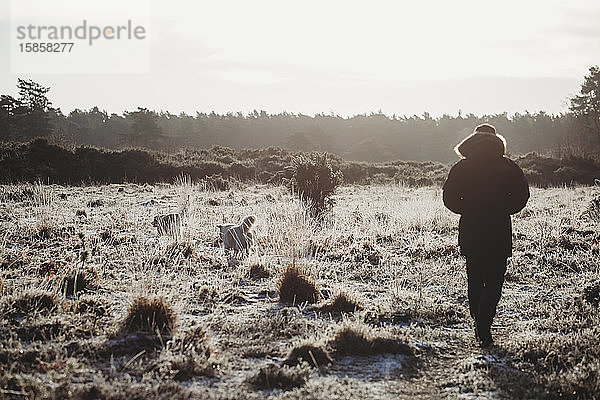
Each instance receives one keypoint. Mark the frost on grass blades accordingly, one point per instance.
(106, 297)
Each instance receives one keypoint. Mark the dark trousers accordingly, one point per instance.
(485, 276)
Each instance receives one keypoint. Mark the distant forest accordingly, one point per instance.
(373, 137)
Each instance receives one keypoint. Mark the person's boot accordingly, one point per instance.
(485, 336)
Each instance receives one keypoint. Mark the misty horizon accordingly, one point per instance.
(564, 107)
(344, 58)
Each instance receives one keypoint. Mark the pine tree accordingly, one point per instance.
(586, 105)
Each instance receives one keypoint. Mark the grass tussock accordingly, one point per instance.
(176, 250)
(152, 315)
(315, 356)
(31, 302)
(45, 232)
(95, 203)
(279, 377)
(189, 355)
(591, 293)
(90, 305)
(257, 272)
(207, 294)
(51, 268)
(359, 341)
(78, 281)
(296, 288)
(566, 365)
(340, 304)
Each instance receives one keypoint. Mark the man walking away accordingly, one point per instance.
(485, 187)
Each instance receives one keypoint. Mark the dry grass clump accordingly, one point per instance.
(567, 364)
(90, 305)
(355, 340)
(340, 304)
(189, 355)
(207, 294)
(296, 288)
(31, 302)
(106, 235)
(109, 237)
(216, 182)
(258, 271)
(45, 232)
(95, 203)
(149, 315)
(50, 268)
(78, 281)
(16, 194)
(367, 253)
(592, 211)
(279, 377)
(175, 250)
(309, 353)
(591, 293)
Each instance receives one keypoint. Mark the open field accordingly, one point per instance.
(73, 260)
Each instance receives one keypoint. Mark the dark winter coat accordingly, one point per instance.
(485, 187)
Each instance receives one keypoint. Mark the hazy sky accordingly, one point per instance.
(346, 57)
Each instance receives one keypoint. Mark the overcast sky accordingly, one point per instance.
(346, 57)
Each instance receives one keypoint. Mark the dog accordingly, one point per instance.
(167, 224)
(238, 238)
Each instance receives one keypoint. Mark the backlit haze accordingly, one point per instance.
(345, 57)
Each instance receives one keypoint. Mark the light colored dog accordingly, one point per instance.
(238, 237)
(167, 224)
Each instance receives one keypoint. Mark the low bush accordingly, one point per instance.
(317, 176)
(314, 180)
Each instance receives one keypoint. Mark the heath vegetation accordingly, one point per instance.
(368, 298)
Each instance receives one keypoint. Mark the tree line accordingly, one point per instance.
(373, 137)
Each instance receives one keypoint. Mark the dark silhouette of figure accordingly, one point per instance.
(485, 187)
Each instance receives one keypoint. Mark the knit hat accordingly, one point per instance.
(484, 142)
